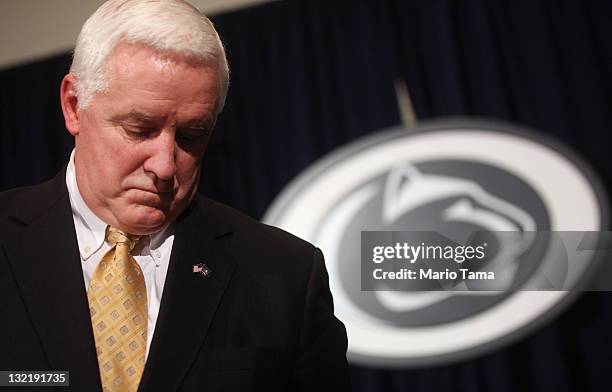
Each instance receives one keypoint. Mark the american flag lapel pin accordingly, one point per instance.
(203, 269)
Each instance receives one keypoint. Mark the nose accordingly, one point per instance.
(162, 162)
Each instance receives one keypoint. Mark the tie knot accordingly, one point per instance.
(115, 236)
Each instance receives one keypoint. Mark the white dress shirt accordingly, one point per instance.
(153, 257)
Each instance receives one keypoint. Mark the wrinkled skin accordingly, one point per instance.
(139, 144)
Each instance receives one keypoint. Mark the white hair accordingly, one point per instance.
(172, 26)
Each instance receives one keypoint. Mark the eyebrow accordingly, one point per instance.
(133, 115)
(205, 124)
(137, 116)
(202, 125)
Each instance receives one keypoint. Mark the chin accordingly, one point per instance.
(146, 220)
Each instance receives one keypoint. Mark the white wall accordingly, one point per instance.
(32, 29)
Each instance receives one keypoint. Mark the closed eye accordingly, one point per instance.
(139, 132)
(192, 135)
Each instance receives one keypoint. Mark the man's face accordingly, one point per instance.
(139, 145)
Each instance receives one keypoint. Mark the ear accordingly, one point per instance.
(69, 100)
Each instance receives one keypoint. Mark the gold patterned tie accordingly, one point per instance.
(118, 306)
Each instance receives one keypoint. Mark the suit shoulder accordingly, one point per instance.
(257, 236)
(27, 202)
(8, 198)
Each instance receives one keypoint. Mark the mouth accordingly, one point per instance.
(157, 192)
(157, 199)
(168, 193)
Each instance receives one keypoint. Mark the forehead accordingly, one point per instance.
(140, 74)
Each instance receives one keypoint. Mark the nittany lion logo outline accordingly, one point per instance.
(337, 187)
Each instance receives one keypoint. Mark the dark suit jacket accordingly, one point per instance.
(263, 319)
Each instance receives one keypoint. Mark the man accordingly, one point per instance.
(119, 272)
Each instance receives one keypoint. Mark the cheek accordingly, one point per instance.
(103, 145)
(188, 168)
(122, 169)
(111, 179)
(102, 157)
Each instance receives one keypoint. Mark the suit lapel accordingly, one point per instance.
(189, 300)
(44, 256)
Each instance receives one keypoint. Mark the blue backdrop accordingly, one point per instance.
(309, 76)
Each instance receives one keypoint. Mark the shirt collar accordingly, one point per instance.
(157, 239)
(90, 229)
